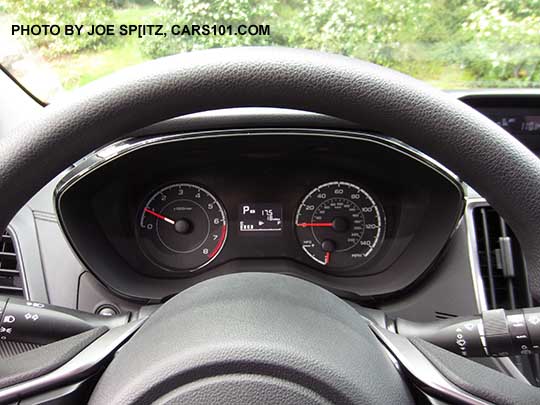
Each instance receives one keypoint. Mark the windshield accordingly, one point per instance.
(54, 46)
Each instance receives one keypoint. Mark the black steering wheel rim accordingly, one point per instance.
(485, 156)
(499, 167)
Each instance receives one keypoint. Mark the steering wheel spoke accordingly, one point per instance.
(75, 371)
(253, 337)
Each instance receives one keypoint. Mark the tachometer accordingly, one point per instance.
(340, 225)
(182, 227)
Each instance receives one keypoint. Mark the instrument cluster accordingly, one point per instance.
(355, 212)
(183, 227)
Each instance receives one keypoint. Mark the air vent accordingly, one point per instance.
(444, 315)
(504, 275)
(501, 261)
(10, 275)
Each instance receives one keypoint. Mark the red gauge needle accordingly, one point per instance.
(326, 258)
(323, 224)
(170, 221)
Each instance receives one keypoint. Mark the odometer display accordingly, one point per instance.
(182, 227)
(340, 225)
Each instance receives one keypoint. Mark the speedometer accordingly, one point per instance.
(340, 225)
(182, 227)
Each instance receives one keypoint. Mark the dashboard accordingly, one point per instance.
(80, 239)
(356, 212)
(98, 246)
(517, 113)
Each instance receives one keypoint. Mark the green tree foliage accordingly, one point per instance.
(502, 42)
(379, 31)
(210, 12)
(61, 12)
(492, 42)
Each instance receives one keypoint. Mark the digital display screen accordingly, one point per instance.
(520, 116)
(260, 217)
(520, 124)
(517, 121)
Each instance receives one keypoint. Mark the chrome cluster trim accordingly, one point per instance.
(78, 367)
(121, 148)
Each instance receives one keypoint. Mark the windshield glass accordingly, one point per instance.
(54, 46)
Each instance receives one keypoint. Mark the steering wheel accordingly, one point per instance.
(249, 338)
